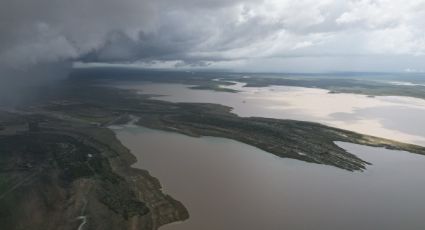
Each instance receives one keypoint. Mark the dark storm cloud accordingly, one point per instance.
(82, 26)
(40, 39)
(259, 33)
(184, 37)
(190, 31)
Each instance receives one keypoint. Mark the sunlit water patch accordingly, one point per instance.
(393, 117)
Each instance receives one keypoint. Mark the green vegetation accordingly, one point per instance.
(4, 183)
(72, 165)
(310, 142)
(214, 86)
(68, 164)
(376, 84)
(198, 80)
(344, 84)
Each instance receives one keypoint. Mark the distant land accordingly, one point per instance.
(63, 164)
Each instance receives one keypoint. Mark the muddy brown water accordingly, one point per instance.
(227, 185)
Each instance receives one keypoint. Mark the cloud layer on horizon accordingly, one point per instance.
(275, 35)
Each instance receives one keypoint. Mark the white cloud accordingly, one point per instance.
(225, 31)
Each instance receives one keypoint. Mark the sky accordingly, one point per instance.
(251, 35)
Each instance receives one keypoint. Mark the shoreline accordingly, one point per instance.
(248, 171)
(86, 156)
(99, 180)
(353, 112)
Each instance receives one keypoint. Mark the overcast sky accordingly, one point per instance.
(253, 35)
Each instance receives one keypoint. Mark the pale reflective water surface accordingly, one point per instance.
(228, 185)
(399, 118)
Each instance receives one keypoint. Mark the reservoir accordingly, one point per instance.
(392, 117)
(228, 185)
